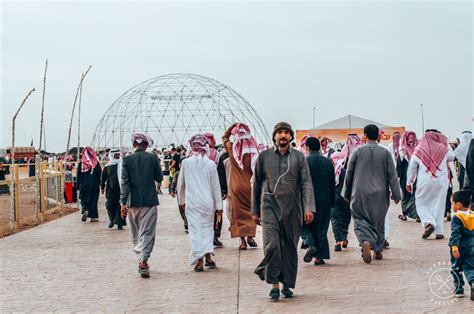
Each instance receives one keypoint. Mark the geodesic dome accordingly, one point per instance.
(172, 108)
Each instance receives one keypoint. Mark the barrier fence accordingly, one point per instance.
(34, 196)
(38, 191)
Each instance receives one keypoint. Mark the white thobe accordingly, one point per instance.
(431, 191)
(198, 188)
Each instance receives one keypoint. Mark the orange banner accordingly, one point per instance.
(340, 135)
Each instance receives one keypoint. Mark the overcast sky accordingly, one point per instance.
(377, 60)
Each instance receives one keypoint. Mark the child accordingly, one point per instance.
(462, 243)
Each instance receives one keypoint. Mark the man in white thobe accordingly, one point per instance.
(429, 167)
(199, 190)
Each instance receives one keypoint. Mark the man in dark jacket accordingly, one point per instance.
(469, 178)
(324, 184)
(139, 198)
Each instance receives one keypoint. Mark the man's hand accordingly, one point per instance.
(409, 189)
(396, 201)
(308, 217)
(102, 191)
(346, 199)
(173, 194)
(124, 211)
(224, 196)
(256, 219)
(456, 253)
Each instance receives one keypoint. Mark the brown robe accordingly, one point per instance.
(242, 224)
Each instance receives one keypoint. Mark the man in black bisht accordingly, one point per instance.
(109, 184)
(282, 198)
(324, 183)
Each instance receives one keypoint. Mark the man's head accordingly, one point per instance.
(396, 137)
(324, 142)
(173, 150)
(179, 150)
(371, 132)
(282, 134)
(411, 138)
(313, 144)
(460, 200)
(141, 141)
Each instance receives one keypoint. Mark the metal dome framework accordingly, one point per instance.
(172, 108)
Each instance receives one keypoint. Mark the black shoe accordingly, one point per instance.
(308, 257)
(318, 262)
(472, 291)
(366, 254)
(119, 228)
(459, 293)
(144, 270)
(211, 264)
(386, 245)
(251, 242)
(338, 248)
(84, 215)
(111, 224)
(217, 243)
(287, 293)
(275, 294)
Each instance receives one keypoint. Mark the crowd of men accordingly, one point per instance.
(293, 193)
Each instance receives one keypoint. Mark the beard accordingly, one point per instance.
(284, 144)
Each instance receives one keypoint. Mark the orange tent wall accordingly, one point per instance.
(340, 135)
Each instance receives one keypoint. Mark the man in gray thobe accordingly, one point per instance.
(282, 198)
(139, 198)
(370, 177)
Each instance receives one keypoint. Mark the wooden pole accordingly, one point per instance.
(39, 171)
(61, 180)
(72, 114)
(79, 123)
(13, 174)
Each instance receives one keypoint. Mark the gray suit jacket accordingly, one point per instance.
(139, 173)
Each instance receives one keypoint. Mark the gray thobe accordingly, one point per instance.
(281, 211)
(370, 177)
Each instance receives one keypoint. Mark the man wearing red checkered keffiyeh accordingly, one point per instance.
(243, 153)
(429, 167)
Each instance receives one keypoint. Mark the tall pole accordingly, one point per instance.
(422, 120)
(79, 123)
(13, 171)
(314, 110)
(38, 156)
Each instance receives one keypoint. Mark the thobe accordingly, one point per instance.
(281, 211)
(341, 212)
(110, 182)
(408, 199)
(88, 184)
(198, 187)
(242, 224)
(323, 179)
(430, 195)
(469, 178)
(228, 207)
(370, 178)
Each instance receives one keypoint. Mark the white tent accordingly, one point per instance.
(349, 122)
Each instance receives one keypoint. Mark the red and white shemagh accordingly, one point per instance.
(406, 147)
(396, 144)
(339, 159)
(302, 147)
(199, 145)
(244, 143)
(213, 153)
(431, 150)
(88, 160)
